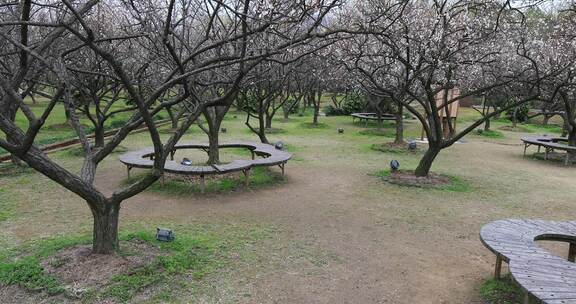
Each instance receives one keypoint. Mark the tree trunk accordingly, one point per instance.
(399, 126)
(487, 125)
(173, 118)
(214, 149)
(316, 105)
(427, 160)
(268, 121)
(214, 117)
(99, 136)
(316, 114)
(262, 130)
(105, 235)
(572, 139)
(15, 160)
(546, 120)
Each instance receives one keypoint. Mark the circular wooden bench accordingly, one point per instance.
(371, 116)
(144, 158)
(547, 277)
(550, 144)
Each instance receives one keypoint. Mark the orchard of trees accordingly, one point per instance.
(197, 59)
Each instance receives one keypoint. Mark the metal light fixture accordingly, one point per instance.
(223, 130)
(394, 165)
(164, 235)
(279, 145)
(412, 146)
(340, 130)
(186, 162)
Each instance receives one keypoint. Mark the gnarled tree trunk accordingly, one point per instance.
(99, 135)
(105, 234)
(427, 160)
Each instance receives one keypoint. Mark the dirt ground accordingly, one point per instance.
(376, 242)
(422, 249)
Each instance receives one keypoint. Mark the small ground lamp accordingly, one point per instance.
(186, 162)
(223, 130)
(412, 145)
(279, 145)
(164, 235)
(340, 130)
(394, 165)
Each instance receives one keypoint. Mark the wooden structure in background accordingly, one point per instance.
(449, 113)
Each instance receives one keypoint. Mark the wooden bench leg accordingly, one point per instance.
(546, 154)
(498, 267)
(246, 177)
(128, 168)
(539, 148)
(163, 180)
(567, 160)
(526, 298)
(525, 147)
(572, 252)
(252, 154)
(202, 184)
(282, 167)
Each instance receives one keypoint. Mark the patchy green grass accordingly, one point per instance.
(6, 206)
(274, 131)
(501, 292)
(490, 133)
(259, 177)
(538, 128)
(558, 157)
(8, 199)
(518, 128)
(196, 252)
(309, 125)
(533, 128)
(378, 132)
(16, 268)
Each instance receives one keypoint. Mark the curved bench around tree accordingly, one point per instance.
(144, 158)
(371, 116)
(549, 278)
(550, 144)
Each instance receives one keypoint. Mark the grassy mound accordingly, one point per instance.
(394, 148)
(518, 128)
(432, 181)
(489, 133)
(178, 185)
